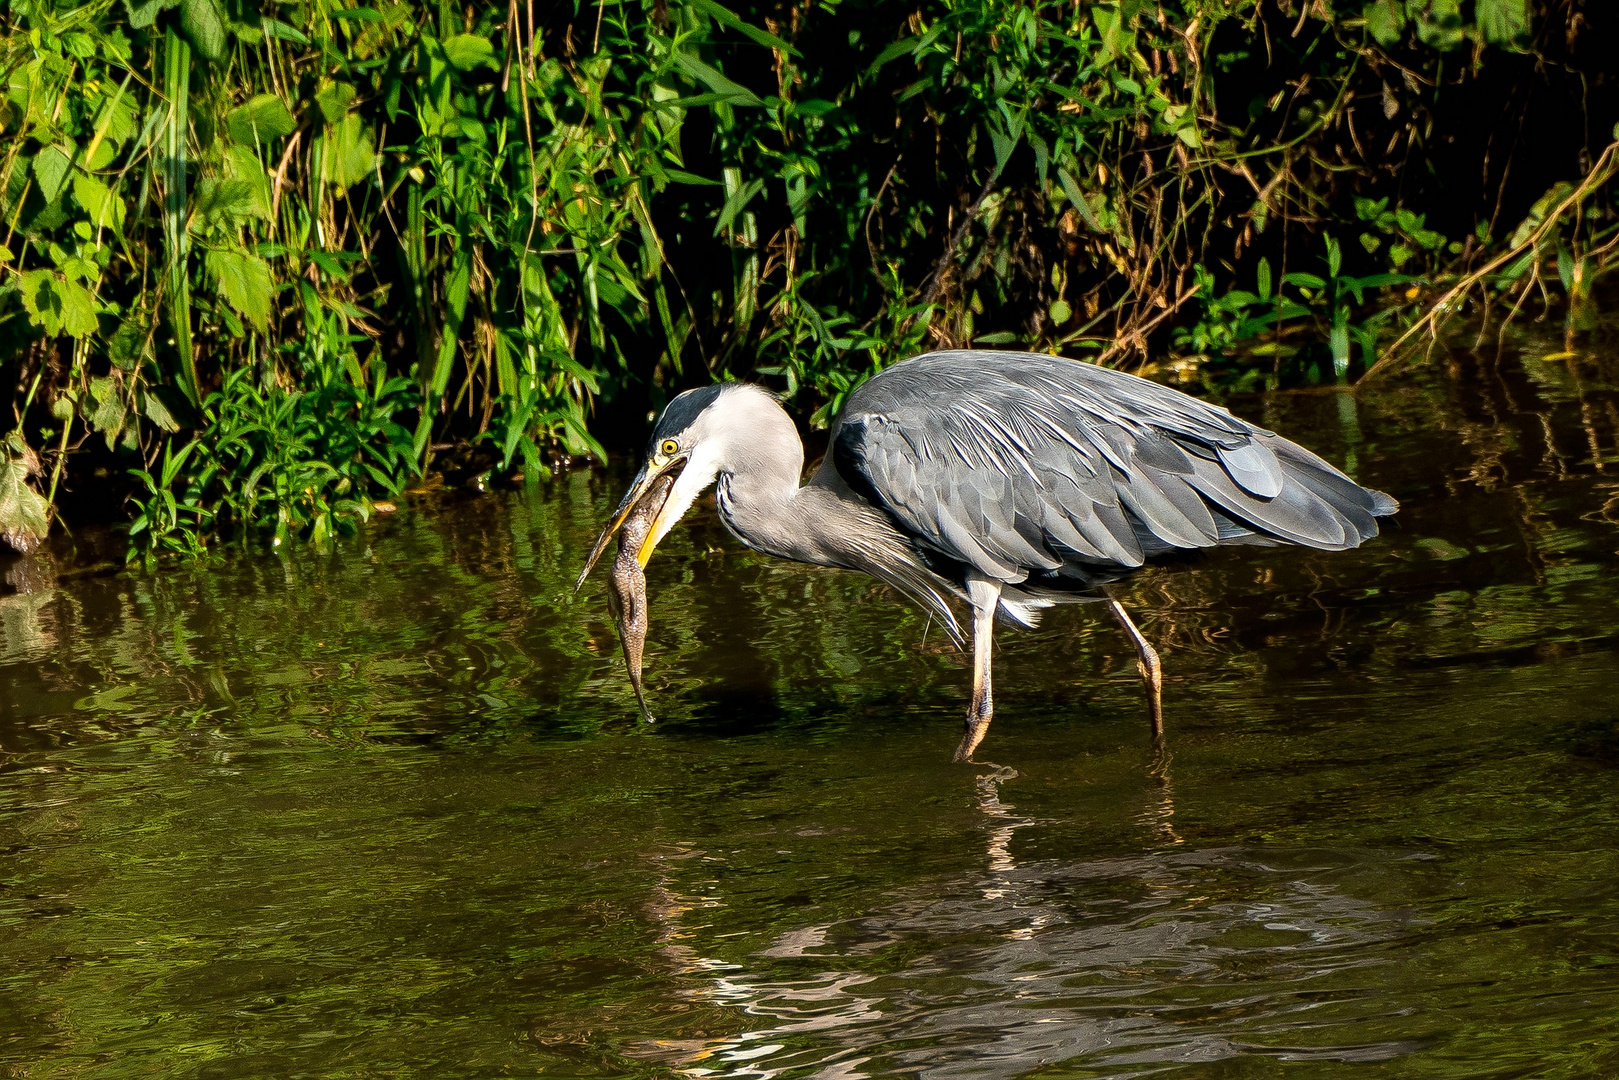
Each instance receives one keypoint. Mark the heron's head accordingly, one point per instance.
(729, 428)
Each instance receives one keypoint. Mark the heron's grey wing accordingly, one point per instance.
(986, 490)
(1018, 463)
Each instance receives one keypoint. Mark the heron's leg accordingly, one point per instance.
(1152, 672)
(985, 596)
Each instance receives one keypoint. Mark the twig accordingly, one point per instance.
(876, 203)
(1146, 328)
(936, 279)
(1523, 294)
(281, 178)
(1430, 319)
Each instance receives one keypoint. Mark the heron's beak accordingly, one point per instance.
(644, 482)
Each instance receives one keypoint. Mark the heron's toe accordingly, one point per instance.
(976, 730)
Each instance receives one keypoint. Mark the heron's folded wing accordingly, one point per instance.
(999, 496)
(1019, 463)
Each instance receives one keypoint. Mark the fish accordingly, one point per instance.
(626, 584)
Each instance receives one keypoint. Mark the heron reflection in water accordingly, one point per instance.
(1009, 481)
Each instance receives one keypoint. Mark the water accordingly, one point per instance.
(388, 811)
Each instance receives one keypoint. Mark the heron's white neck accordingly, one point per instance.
(760, 497)
(778, 517)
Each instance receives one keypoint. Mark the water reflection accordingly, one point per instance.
(1044, 963)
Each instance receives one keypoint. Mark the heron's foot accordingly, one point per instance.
(977, 726)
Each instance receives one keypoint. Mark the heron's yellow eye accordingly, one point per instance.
(669, 448)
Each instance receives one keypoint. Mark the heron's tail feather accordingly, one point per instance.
(923, 586)
(1022, 610)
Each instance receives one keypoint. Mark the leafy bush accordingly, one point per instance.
(286, 459)
(248, 245)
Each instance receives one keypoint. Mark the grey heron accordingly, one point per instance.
(1010, 481)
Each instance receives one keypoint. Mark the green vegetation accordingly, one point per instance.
(263, 262)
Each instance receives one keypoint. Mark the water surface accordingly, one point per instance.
(388, 811)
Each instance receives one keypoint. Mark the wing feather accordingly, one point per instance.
(1016, 464)
(1254, 466)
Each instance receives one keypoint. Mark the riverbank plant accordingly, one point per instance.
(266, 263)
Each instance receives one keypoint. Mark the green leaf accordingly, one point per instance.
(725, 88)
(727, 17)
(128, 343)
(1004, 137)
(470, 51)
(57, 305)
(333, 268)
(51, 167)
(244, 281)
(1077, 197)
(242, 164)
(24, 515)
(106, 210)
(1537, 213)
(227, 201)
(42, 300)
(334, 100)
(261, 119)
(459, 286)
(101, 156)
(902, 47)
(203, 24)
(733, 206)
(1439, 24)
(1112, 26)
(680, 177)
(110, 413)
(275, 28)
(1060, 312)
(1264, 279)
(143, 15)
(347, 153)
(1503, 22)
(1385, 20)
(117, 121)
(78, 309)
(1338, 341)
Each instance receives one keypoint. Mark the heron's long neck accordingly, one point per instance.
(822, 522)
(771, 512)
(767, 509)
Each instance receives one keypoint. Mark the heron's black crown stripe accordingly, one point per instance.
(680, 413)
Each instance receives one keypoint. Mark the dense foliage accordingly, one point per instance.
(262, 262)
